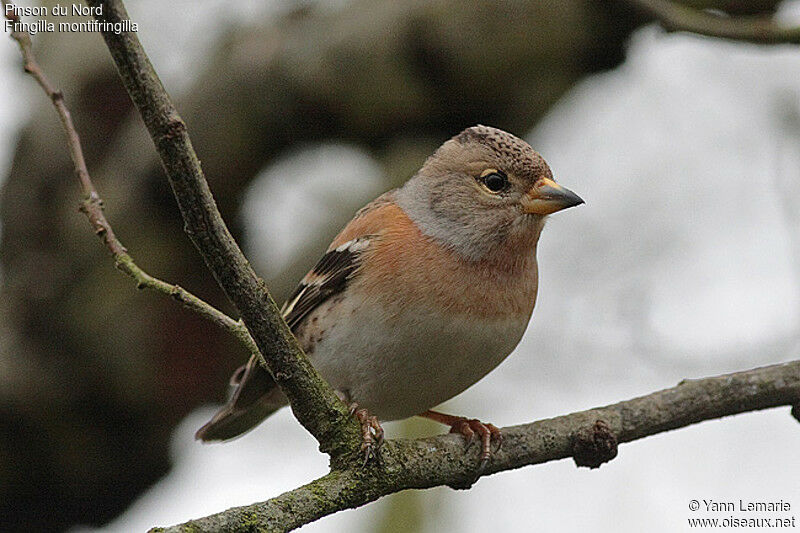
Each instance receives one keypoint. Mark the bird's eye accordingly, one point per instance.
(494, 180)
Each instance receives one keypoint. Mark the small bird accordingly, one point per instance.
(425, 291)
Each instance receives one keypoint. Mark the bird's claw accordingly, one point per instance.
(496, 435)
(462, 427)
(488, 433)
(372, 434)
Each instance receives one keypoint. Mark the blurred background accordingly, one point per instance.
(684, 262)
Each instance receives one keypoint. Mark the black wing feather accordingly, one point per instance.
(330, 276)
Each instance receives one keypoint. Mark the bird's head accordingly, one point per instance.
(482, 189)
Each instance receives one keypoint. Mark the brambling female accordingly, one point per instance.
(423, 293)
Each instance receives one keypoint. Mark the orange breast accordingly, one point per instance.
(407, 268)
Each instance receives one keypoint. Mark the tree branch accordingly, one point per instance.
(313, 401)
(754, 29)
(590, 437)
(92, 204)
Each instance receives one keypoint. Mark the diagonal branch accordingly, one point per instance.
(313, 401)
(92, 204)
(754, 29)
(590, 437)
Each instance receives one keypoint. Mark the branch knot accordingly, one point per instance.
(594, 445)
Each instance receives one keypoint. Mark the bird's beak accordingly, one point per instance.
(547, 197)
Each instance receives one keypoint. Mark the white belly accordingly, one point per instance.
(401, 364)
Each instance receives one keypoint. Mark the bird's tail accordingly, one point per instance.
(255, 397)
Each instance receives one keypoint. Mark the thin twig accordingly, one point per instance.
(754, 29)
(590, 437)
(313, 401)
(92, 204)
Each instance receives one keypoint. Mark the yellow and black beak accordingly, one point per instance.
(547, 197)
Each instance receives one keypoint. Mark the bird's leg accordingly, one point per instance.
(469, 427)
(371, 430)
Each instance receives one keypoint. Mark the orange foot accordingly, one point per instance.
(469, 427)
(371, 433)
